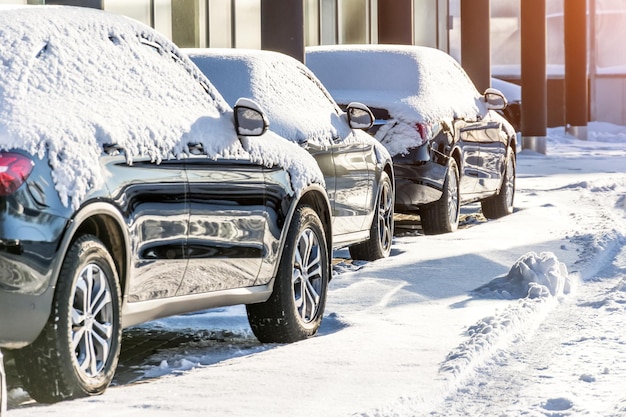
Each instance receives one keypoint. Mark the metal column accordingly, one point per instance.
(534, 82)
(576, 90)
(475, 45)
(395, 21)
(282, 27)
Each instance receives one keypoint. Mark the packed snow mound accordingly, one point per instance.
(533, 276)
(538, 282)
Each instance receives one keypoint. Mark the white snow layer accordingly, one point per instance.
(73, 79)
(298, 105)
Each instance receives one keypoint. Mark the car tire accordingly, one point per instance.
(501, 204)
(381, 232)
(77, 352)
(442, 216)
(294, 310)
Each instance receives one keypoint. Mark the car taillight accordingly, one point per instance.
(14, 169)
(422, 129)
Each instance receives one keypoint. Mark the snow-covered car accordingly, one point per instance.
(357, 169)
(130, 190)
(449, 146)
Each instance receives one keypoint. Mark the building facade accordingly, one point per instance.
(435, 23)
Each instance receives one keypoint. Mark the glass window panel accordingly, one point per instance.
(248, 24)
(163, 17)
(328, 22)
(425, 22)
(610, 32)
(353, 21)
(505, 37)
(138, 10)
(220, 27)
(185, 23)
(311, 22)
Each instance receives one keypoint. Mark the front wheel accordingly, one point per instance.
(294, 310)
(77, 352)
(381, 231)
(442, 216)
(501, 204)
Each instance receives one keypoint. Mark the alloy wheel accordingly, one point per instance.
(92, 316)
(385, 217)
(307, 276)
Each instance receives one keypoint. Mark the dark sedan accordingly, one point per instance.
(449, 145)
(130, 190)
(357, 170)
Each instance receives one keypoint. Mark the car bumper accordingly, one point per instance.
(417, 185)
(23, 317)
(28, 260)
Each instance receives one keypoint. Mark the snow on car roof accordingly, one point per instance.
(73, 79)
(298, 105)
(414, 83)
(254, 73)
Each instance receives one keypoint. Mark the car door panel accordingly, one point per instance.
(153, 201)
(227, 223)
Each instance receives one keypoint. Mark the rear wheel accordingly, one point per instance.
(381, 232)
(501, 204)
(77, 352)
(294, 310)
(442, 216)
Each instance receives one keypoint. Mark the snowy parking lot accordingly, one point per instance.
(518, 316)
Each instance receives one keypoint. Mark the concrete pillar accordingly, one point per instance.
(576, 90)
(475, 46)
(282, 27)
(395, 21)
(534, 80)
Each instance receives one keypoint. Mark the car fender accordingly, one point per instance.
(315, 196)
(97, 218)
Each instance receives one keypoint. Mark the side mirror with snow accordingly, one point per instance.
(494, 99)
(359, 116)
(250, 120)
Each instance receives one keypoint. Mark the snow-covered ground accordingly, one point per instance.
(522, 316)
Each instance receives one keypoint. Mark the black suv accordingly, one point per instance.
(130, 190)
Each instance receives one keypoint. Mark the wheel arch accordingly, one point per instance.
(317, 199)
(314, 196)
(105, 222)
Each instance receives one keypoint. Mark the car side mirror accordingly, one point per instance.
(494, 99)
(250, 119)
(359, 116)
